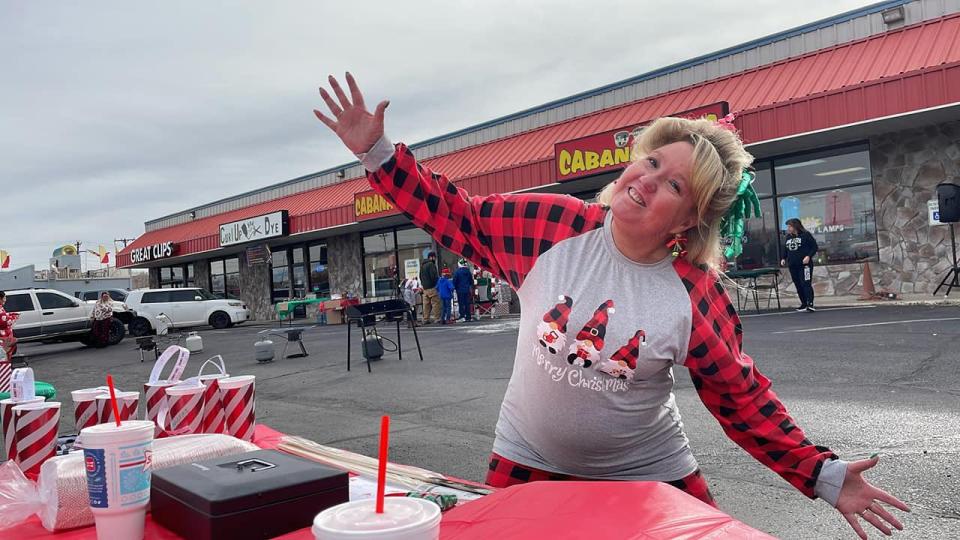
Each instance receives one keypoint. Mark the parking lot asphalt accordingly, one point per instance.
(859, 380)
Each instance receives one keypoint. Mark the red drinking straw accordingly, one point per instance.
(382, 469)
(113, 400)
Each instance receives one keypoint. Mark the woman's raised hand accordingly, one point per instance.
(352, 122)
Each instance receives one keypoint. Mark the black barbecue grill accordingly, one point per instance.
(367, 316)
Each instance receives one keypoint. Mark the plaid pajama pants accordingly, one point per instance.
(503, 473)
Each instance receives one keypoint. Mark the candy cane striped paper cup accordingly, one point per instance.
(186, 409)
(85, 407)
(9, 427)
(37, 427)
(239, 405)
(127, 402)
(213, 410)
(155, 398)
(6, 373)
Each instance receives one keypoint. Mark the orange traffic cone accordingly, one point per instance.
(869, 293)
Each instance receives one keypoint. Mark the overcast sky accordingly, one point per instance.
(114, 113)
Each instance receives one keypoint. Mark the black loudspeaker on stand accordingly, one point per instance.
(948, 198)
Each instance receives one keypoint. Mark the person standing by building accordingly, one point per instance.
(445, 289)
(799, 249)
(463, 284)
(409, 291)
(428, 281)
(101, 317)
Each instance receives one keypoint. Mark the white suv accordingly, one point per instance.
(183, 307)
(47, 315)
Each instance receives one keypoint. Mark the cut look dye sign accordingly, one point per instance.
(610, 151)
(255, 228)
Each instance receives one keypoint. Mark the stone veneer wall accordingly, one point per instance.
(907, 166)
(255, 289)
(345, 264)
(914, 256)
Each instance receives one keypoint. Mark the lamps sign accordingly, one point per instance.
(152, 253)
(255, 228)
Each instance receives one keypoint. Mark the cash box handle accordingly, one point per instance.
(252, 465)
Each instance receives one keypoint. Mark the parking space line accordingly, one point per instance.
(908, 321)
(792, 312)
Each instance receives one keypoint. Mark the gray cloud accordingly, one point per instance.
(116, 113)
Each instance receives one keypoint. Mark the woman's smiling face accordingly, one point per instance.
(654, 194)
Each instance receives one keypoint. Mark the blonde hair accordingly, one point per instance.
(718, 162)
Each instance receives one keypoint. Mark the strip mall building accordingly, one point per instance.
(853, 120)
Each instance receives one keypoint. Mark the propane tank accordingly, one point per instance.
(263, 350)
(194, 342)
(372, 346)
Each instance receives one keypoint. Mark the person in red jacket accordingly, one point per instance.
(7, 340)
(642, 259)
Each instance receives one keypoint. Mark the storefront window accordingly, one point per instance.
(173, 276)
(831, 193)
(319, 273)
(298, 271)
(841, 220)
(380, 269)
(411, 243)
(760, 240)
(281, 276)
(225, 278)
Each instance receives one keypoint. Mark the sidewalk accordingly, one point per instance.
(790, 301)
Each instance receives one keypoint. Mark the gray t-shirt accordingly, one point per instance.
(591, 391)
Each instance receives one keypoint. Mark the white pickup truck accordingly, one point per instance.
(50, 315)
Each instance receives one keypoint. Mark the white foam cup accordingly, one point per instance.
(117, 461)
(403, 518)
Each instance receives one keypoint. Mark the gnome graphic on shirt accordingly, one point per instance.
(585, 351)
(552, 331)
(622, 363)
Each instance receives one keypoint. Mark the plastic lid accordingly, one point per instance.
(400, 513)
(111, 432)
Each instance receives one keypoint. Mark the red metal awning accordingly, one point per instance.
(904, 70)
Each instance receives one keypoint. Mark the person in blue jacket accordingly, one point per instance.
(445, 290)
(799, 249)
(463, 284)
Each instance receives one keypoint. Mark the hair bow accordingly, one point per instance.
(727, 123)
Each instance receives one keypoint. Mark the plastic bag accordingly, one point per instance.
(19, 498)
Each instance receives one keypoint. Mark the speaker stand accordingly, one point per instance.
(954, 274)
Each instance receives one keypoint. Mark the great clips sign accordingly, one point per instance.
(370, 204)
(162, 250)
(255, 228)
(610, 151)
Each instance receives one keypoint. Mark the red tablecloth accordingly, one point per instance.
(608, 510)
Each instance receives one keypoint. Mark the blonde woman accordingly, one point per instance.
(613, 295)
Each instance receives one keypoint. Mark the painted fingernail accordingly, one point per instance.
(874, 455)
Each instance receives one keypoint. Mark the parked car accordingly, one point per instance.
(117, 300)
(183, 307)
(49, 315)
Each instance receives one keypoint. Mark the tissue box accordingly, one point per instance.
(261, 494)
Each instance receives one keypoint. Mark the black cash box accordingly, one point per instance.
(259, 494)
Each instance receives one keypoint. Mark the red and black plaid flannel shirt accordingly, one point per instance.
(506, 233)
